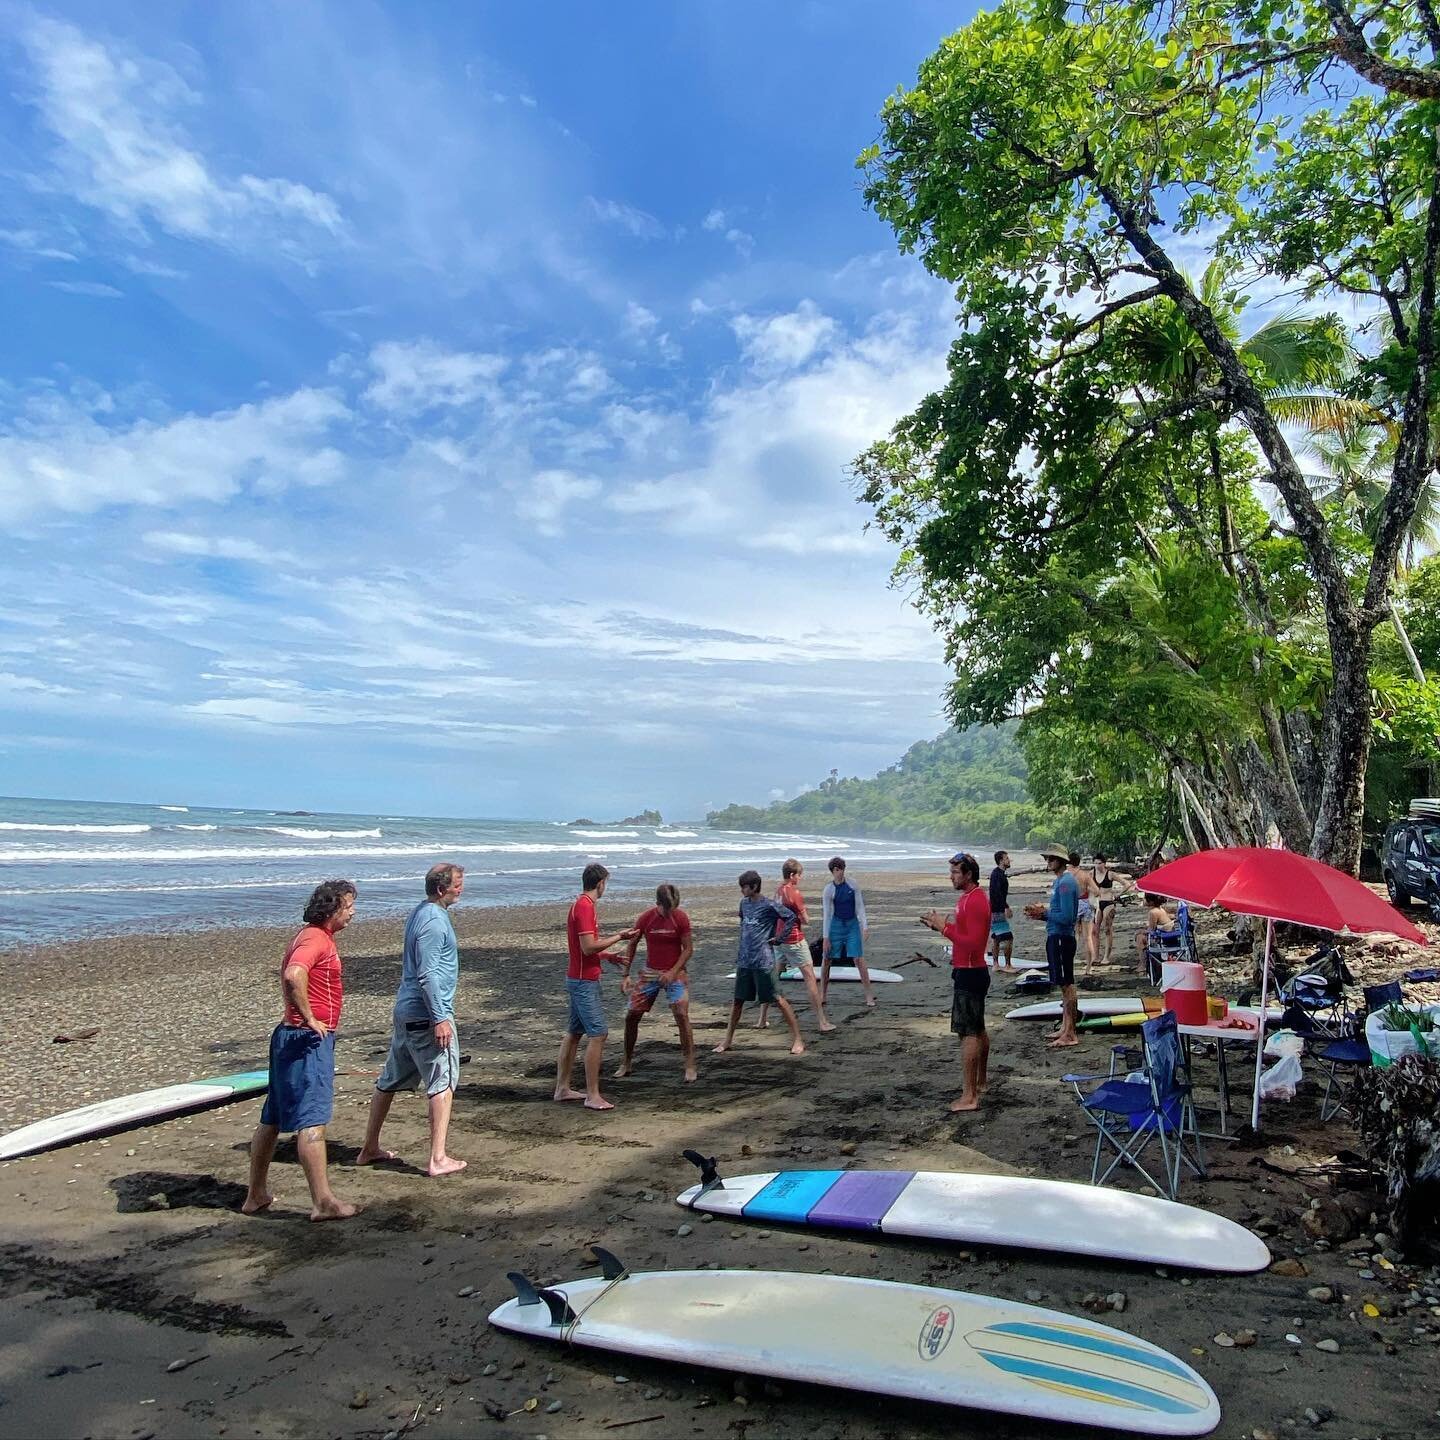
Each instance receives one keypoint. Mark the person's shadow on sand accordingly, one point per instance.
(339, 1155)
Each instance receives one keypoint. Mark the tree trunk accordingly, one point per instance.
(1345, 749)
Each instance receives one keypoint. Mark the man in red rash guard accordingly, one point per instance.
(968, 933)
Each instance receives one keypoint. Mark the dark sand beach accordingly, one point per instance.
(124, 1256)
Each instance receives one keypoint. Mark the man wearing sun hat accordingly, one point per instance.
(1059, 917)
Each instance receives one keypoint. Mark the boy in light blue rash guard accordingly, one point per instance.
(424, 1048)
(843, 929)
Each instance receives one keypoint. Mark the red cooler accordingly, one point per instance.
(1182, 984)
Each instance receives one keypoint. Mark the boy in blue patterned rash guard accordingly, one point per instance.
(755, 963)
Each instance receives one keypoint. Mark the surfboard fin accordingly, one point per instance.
(709, 1175)
(559, 1307)
(611, 1266)
(526, 1292)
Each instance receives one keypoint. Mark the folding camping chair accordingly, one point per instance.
(1131, 1110)
(1174, 944)
(1353, 1050)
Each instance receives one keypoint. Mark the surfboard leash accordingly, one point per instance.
(614, 1270)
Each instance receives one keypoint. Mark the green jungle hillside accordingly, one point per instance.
(965, 785)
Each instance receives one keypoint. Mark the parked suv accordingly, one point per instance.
(1411, 862)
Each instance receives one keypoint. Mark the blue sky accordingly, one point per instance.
(447, 407)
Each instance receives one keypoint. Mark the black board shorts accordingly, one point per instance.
(1060, 952)
(755, 985)
(967, 1002)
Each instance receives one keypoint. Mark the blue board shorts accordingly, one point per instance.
(845, 935)
(1000, 927)
(646, 991)
(587, 1014)
(302, 1079)
(418, 1061)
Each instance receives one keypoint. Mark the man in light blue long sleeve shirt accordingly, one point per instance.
(423, 1045)
(1059, 917)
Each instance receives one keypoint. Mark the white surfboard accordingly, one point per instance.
(842, 974)
(914, 1341)
(1018, 965)
(127, 1110)
(1090, 1005)
(1059, 1215)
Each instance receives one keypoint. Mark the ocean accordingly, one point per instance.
(73, 868)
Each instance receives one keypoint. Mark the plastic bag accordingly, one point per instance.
(1280, 1080)
(1282, 1043)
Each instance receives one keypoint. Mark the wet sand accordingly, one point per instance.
(125, 1255)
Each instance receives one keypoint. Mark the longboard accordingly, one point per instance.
(1059, 1215)
(913, 1341)
(126, 1110)
(1090, 1005)
(841, 973)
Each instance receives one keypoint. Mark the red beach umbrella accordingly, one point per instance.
(1277, 885)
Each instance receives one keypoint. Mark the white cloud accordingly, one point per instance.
(719, 222)
(633, 221)
(35, 245)
(542, 499)
(783, 342)
(122, 151)
(639, 320)
(60, 458)
(94, 289)
(415, 376)
(214, 547)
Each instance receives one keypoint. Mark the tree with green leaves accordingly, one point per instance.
(1060, 164)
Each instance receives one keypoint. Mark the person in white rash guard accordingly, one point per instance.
(844, 929)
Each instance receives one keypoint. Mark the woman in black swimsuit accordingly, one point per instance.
(1104, 880)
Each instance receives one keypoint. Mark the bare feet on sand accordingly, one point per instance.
(964, 1103)
(798, 1048)
(623, 1072)
(762, 1024)
(691, 1075)
(448, 1165)
(1061, 1043)
(334, 1209)
(598, 1103)
(826, 1029)
(259, 1203)
(722, 1047)
(870, 1002)
(375, 1157)
(568, 1094)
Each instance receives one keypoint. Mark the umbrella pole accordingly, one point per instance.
(1260, 1039)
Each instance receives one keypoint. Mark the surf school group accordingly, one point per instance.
(424, 1047)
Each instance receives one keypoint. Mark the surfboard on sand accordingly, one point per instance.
(127, 1110)
(1090, 1005)
(841, 973)
(1060, 1215)
(913, 1341)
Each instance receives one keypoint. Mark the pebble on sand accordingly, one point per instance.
(1330, 1347)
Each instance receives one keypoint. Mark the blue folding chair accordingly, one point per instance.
(1354, 1050)
(1174, 944)
(1130, 1111)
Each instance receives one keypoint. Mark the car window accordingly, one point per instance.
(1414, 847)
(1430, 834)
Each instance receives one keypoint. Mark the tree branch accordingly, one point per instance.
(1352, 47)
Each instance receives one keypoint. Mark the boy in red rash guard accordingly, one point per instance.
(790, 947)
(968, 933)
(669, 945)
